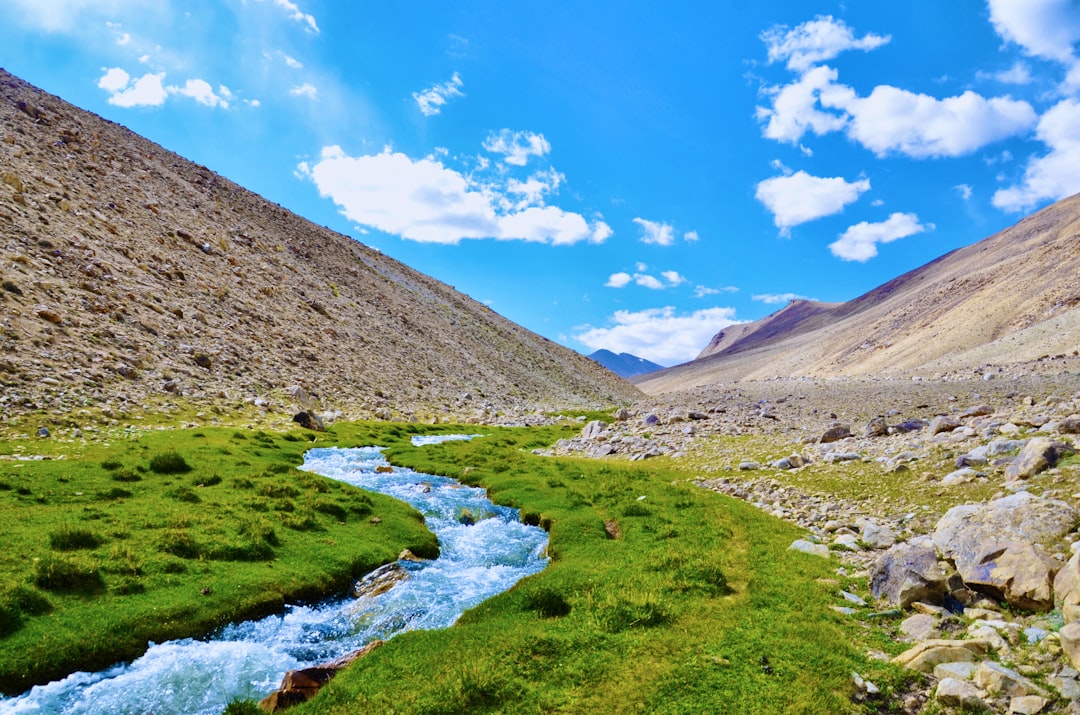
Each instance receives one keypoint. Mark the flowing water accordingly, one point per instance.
(248, 660)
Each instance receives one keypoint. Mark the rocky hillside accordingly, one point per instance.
(1011, 298)
(132, 277)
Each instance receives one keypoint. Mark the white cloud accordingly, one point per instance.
(292, 62)
(641, 267)
(1019, 73)
(673, 277)
(618, 280)
(964, 190)
(431, 100)
(800, 197)
(820, 39)
(895, 120)
(890, 119)
(646, 281)
(517, 147)
(777, 298)
(533, 189)
(1044, 28)
(702, 291)
(795, 109)
(305, 90)
(859, 242)
(1054, 175)
(658, 334)
(691, 236)
(661, 234)
(296, 14)
(201, 91)
(147, 91)
(423, 200)
(122, 38)
(66, 15)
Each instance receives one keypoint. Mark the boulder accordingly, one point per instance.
(977, 411)
(1027, 705)
(594, 429)
(1037, 455)
(876, 535)
(995, 678)
(1021, 574)
(877, 427)
(943, 423)
(908, 572)
(968, 532)
(1070, 642)
(301, 685)
(309, 420)
(956, 693)
(835, 434)
(809, 547)
(960, 476)
(1069, 425)
(924, 656)
(381, 579)
(1067, 589)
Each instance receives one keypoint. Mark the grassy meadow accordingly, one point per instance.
(168, 533)
(660, 597)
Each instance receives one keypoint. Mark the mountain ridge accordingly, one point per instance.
(624, 364)
(1009, 298)
(133, 276)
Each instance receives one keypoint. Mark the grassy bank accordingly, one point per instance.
(660, 597)
(162, 534)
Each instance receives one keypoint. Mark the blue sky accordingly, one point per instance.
(633, 176)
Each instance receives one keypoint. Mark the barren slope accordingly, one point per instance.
(131, 274)
(1010, 298)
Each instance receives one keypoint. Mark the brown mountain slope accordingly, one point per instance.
(131, 275)
(1010, 298)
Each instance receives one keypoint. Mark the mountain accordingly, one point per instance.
(624, 364)
(1011, 298)
(133, 278)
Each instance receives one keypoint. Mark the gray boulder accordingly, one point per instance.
(1067, 590)
(1037, 455)
(877, 427)
(835, 434)
(943, 423)
(1020, 574)
(908, 572)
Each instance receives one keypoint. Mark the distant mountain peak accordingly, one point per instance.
(624, 364)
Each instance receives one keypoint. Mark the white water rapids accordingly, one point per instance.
(247, 660)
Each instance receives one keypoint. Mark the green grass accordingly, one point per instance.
(698, 606)
(172, 533)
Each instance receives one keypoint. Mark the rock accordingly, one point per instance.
(43, 432)
(746, 466)
(977, 411)
(202, 360)
(876, 427)
(954, 693)
(1037, 455)
(301, 397)
(877, 536)
(914, 425)
(924, 656)
(695, 415)
(594, 429)
(974, 458)
(611, 529)
(1027, 705)
(995, 678)
(1070, 642)
(963, 670)
(835, 434)
(943, 423)
(1069, 688)
(49, 315)
(834, 457)
(919, 627)
(967, 533)
(1067, 589)
(622, 414)
(1021, 574)
(309, 420)
(908, 572)
(299, 686)
(809, 547)
(1069, 425)
(960, 476)
(380, 580)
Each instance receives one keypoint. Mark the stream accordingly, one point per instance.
(248, 660)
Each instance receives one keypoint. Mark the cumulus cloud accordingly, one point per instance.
(890, 119)
(619, 280)
(920, 126)
(646, 281)
(818, 40)
(1043, 28)
(797, 198)
(146, 91)
(964, 190)
(777, 298)
(201, 91)
(658, 334)
(691, 236)
(423, 200)
(1019, 73)
(703, 291)
(1051, 176)
(517, 147)
(859, 242)
(656, 232)
(673, 278)
(431, 100)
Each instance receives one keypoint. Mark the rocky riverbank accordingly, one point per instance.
(953, 501)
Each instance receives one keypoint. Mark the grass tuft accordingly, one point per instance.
(169, 463)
